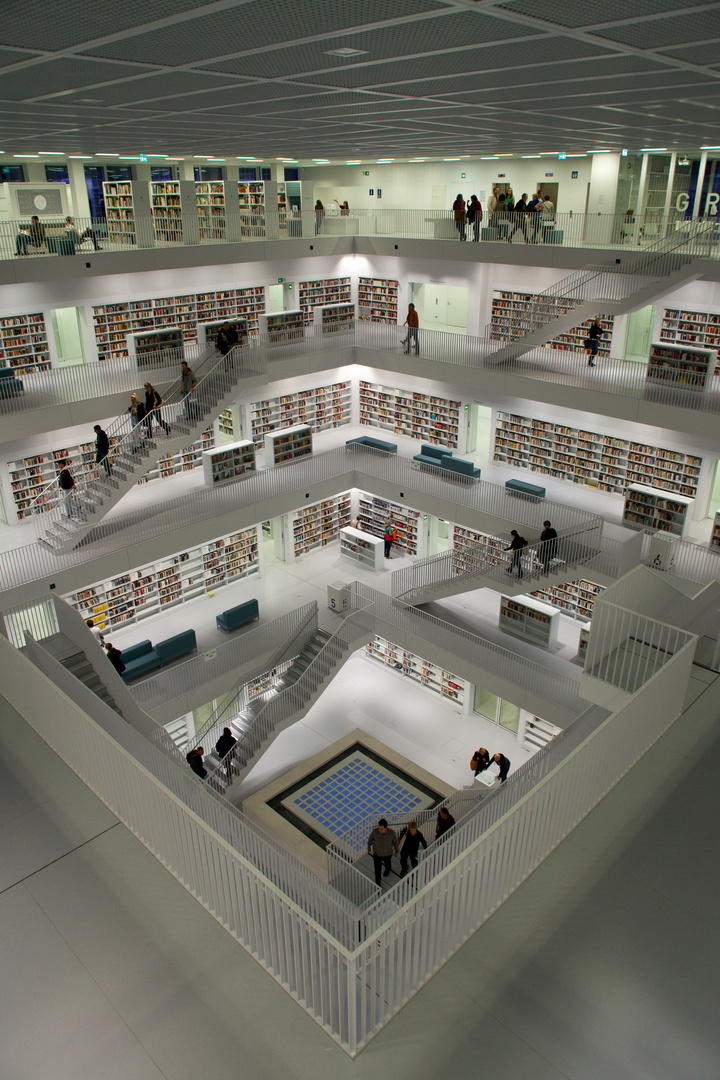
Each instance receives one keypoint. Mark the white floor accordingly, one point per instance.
(604, 965)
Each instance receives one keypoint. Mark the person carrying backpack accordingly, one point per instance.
(390, 537)
(516, 545)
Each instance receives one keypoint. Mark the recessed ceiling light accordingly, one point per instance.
(385, 160)
(51, 153)
(531, 155)
(117, 155)
(353, 162)
(494, 157)
(577, 155)
(347, 52)
(292, 160)
(321, 160)
(653, 149)
(505, 155)
(599, 151)
(25, 155)
(167, 159)
(710, 147)
(452, 159)
(415, 160)
(80, 157)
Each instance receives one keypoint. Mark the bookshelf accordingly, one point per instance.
(508, 320)
(316, 525)
(174, 211)
(373, 512)
(715, 537)
(574, 598)
(419, 416)
(284, 326)
(684, 366)
(210, 200)
(171, 581)
(24, 343)
(221, 464)
(229, 425)
(378, 299)
(251, 200)
(127, 210)
(538, 733)
(333, 318)
(208, 331)
(701, 328)
(288, 444)
(589, 457)
(581, 655)
(181, 461)
(144, 345)
(31, 475)
(430, 676)
(654, 508)
(113, 322)
(321, 408)
(362, 548)
(529, 619)
(315, 294)
(469, 544)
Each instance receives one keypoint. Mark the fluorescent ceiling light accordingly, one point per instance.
(167, 159)
(385, 160)
(530, 155)
(599, 151)
(25, 155)
(452, 159)
(321, 160)
(80, 157)
(577, 155)
(353, 162)
(415, 160)
(51, 153)
(347, 52)
(505, 155)
(653, 149)
(710, 147)
(117, 155)
(493, 157)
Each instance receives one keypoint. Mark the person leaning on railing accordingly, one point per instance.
(32, 234)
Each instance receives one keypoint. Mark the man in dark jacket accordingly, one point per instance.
(519, 218)
(67, 487)
(32, 234)
(411, 840)
(227, 338)
(115, 657)
(548, 546)
(382, 845)
(195, 761)
(516, 545)
(102, 448)
(592, 342)
(503, 763)
(223, 747)
(445, 821)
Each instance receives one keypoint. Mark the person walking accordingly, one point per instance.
(102, 448)
(227, 338)
(223, 747)
(516, 545)
(592, 342)
(66, 482)
(502, 218)
(153, 406)
(411, 840)
(548, 546)
(32, 234)
(188, 382)
(534, 209)
(115, 657)
(390, 536)
(319, 215)
(382, 845)
(445, 821)
(518, 219)
(195, 760)
(413, 323)
(548, 219)
(459, 216)
(474, 216)
(503, 764)
(492, 202)
(137, 415)
(479, 761)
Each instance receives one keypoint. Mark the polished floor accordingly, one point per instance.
(604, 965)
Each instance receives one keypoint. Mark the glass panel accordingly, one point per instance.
(57, 174)
(509, 716)
(486, 704)
(247, 173)
(94, 176)
(12, 174)
(119, 172)
(162, 172)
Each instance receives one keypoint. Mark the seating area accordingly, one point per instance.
(143, 657)
(10, 386)
(523, 490)
(441, 458)
(374, 444)
(234, 617)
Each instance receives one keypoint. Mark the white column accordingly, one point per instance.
(670, 182)
(697, 203)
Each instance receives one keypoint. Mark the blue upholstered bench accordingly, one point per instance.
(174, 647)
(237, 616)
(375, 444)
(525, 490)
(9, 385)
(432, 455)
(139, 659)
(457, 465)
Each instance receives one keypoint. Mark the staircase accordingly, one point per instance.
(134, 453)
(76, 662)
(259, 724)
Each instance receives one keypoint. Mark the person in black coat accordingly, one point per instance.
(102, 448)
(115, 657)
(516, 545)
(445, 821)
(504, 765)
(548, 546)
(195, 761)
(153, 403)
(226, 339)
(482, 760)
(223, 747)
(411, 840)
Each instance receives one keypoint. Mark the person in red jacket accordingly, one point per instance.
(412, 322)
(390, 537)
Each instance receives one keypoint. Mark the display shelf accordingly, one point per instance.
(333, 318)
(112, 322)
(529, 619)
(316, 525)
(583, 644)
(144, 346)
(323, 291)
(374, 511)
(24, 343)
(656, 509)
(284, 326)
(701, 328)
(210, 199)
(222, 464)
(538, 733)
(127, 207)
(430, 676)
(321, 408)
(362, 548)
(715, 537)
(173, 204)
(419, 416)
(378, 299)
(208, 331)
(684, 366)
(176, 579)
(288, 444)
(469, 544)
(509, 321)
(589, 457)
(251, 199)
(574, 598)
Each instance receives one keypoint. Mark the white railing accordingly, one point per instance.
(693, 561)
(627, 649)
(38, 618)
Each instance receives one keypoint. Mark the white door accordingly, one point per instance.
(435, 304)
(457, 304)
(274, 299)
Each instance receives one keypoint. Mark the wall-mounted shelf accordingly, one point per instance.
(362, 548)
(321, 408)
(174, 211)
(419, 416)
(701, 328)
(288, 444)
(509, 321)
(24, 343)
(538, 733)
(583, 644)
(471, 547)
(315, 294)
(373, 513)
(529, 619)
(210, 200)
(655, 508)
(127, 210)
(316, 525)
(715, 538)
(575, 598)
(222, 464)
(334, 318)
(451, 688)
(378, 299)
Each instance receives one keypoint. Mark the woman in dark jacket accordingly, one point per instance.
(445, 821)
(474, 215)
(153, 401)
(482, 759)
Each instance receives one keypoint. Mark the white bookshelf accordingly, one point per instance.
(144, 346)
(127, 211)
(208, 331)
(471, 546)
(589, 457)
(378, 299)
(334, 318)
(319, 524)
(362, 548)
(222, 464)
(657, 509)
(24, 343)
(190, 457)
(583, 644)
(374, 511)
(509, 320)
(284, 326)
(174, 211)
(424, 417)
(320, 407)
(288, 444)
(529, 619)
(323, 291)
(431, 677)
(538, 733)
(29, 476)
(168, 582)
(210, 201)
(251, 201)
(698, 328)
(683, 366)
(574, 598)
(715, 537)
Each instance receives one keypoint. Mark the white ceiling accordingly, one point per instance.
(429, 78)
